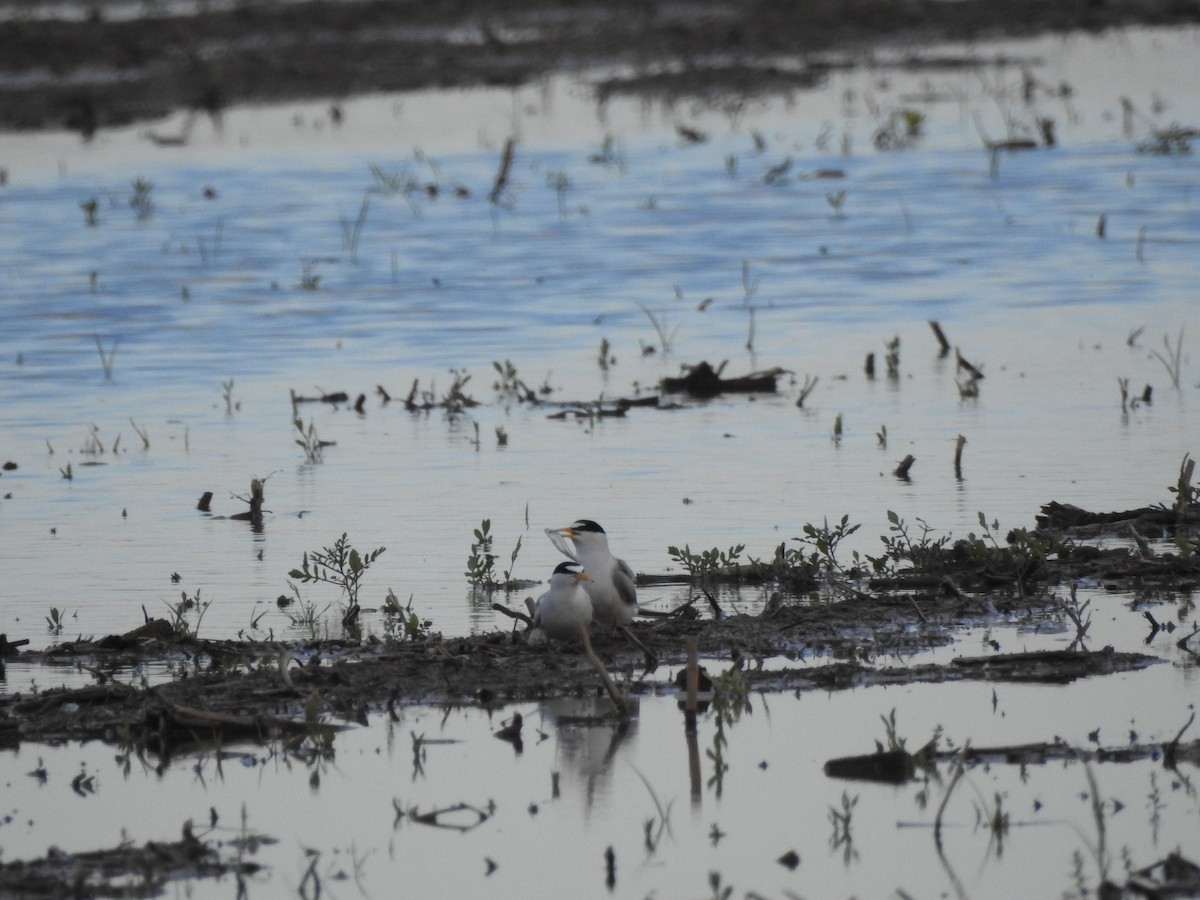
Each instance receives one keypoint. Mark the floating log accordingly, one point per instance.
(888, 766)
(702, 380)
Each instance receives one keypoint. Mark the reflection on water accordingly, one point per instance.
(470, 815)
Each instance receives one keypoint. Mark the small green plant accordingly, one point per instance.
(892, 358)
(561, 183)
(55, 619)
(352, 231)
(481, 564)
(892, 740)
(300, 612)
(227, 396)
(501, 436)
(310, 442)
(457, 400)
(709, 562)
(509, 384)
(926, 554)
(824, 542)
(90, 207)
(837, 202)
(179, 612)
(611, 154)
(605, 357)
(309, 279)
(67, 473)
(1187, 498)
(401, 622)
(901, 129)
(1020, 557)
(140, 201)
(341, 566)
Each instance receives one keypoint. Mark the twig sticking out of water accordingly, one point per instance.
(810, 384)
(1173, 360)
(905, 465)
(613, 692)
(941, 337)
(352, 231)
(107, 359)
(665, 337)
(958, 450)
(501, 182)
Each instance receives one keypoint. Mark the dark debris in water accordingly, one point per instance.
(702, 380)
(127, 870)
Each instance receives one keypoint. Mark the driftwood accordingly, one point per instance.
(128, 870)
(332, 398)
(887, 766)
(255, 514)
(702, 380)
(9, 648)
(171, 726)
(1065, 515)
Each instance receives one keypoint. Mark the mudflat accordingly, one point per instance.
(105, 63)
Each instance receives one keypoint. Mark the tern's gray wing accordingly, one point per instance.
(624, 581)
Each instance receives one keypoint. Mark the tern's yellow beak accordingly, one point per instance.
(582, 576)
(567, 531)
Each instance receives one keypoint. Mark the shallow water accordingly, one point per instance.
(203, 291)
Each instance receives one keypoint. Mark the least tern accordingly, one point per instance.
(565, 611)
(611, 584)
(566, 607)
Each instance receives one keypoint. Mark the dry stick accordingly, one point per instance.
(512, 613)
(651, 659)
(689, 718)
(693, 685)
(937, 820)
(617, 699)
(905, 465)
(501, 181)
(958, 457)
(941, 338)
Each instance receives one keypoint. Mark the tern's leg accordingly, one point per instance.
(599, 667)
(651, 659)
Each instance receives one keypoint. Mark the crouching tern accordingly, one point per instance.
(565, 612)
(611, 585)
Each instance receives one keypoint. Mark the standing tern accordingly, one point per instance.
(565, 611)
(611, 584)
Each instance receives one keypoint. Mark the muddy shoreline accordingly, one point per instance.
(104, 71)
(235, 699)
(257, 690)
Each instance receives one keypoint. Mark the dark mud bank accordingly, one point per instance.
(103, 70)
